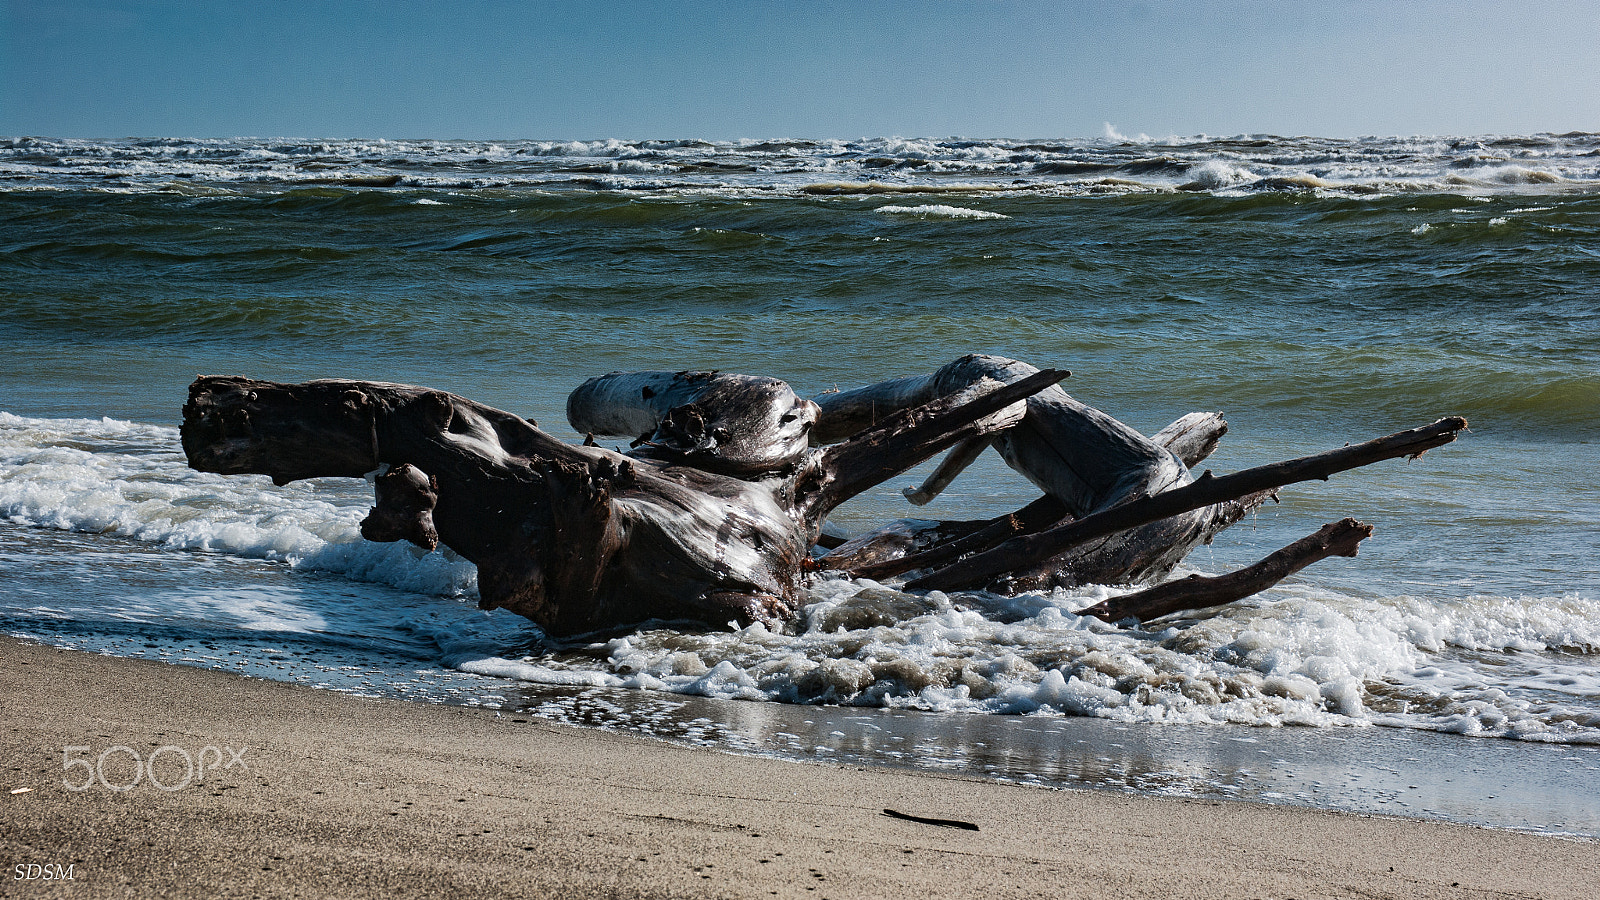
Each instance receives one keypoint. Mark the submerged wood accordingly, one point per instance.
(874, 554)
(576, 538)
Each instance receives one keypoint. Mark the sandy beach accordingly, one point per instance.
(313, 793)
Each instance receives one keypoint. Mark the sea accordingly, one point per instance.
(1318, 292)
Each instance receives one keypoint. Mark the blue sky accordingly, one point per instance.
(716, 69)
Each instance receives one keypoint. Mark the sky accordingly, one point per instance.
(724, 70)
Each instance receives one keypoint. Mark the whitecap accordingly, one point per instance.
(1214, 174)
(935, 211)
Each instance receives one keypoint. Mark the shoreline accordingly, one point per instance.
(357, 797)
(1529, 786)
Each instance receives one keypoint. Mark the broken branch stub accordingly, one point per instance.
(740, 425)
(1202, 592)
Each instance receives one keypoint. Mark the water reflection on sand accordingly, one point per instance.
(1545, 788)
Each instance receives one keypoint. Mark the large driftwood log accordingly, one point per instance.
(578, 539)
(712, 515)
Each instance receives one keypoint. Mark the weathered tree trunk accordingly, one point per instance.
(574, 538)
(577, 539)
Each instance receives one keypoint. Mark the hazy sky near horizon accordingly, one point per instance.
(722, 69)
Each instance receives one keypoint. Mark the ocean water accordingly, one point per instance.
(1318, 292)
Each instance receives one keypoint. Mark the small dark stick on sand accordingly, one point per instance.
(942, 823)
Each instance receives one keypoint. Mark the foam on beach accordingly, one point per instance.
(1487, 665)
(110, 477)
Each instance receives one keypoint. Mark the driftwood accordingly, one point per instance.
(1198, 591)
(578, 539)
(739, 425)
(1022, 553)
(1080, 457)
(715, 514)
(902, 547)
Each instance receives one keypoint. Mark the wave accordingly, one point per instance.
(122, 478)
(1519, 667)
(878, 187)
(940, 212)
(1493, 164)
(1298, 657)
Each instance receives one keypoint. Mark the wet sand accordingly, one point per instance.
(315, 793)
(1522, 785)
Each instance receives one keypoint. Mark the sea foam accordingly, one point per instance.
(1295, 655)
(111, 477)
